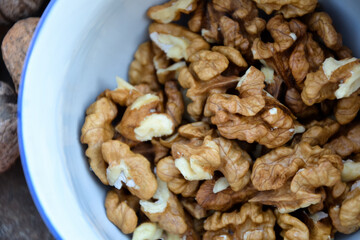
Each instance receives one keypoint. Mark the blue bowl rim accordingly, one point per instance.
(24, 162)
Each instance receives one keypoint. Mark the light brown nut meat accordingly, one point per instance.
(235, 163)
(159, 150)
(144, 120)
(239, 9)
(345, 218)
(327, 172)
(121, 210)
(282, 35)
(170, 73)
(347, 143)
(321, 23)
(8, 125)
(160, 60)
(125, 94)
(195, 161)
(167, 172)
(273, 80)
(289, 8)
(297, 106)
(207, 64)
(250, 222)
(347, 108)
(272, 170)
(96, 130)
(175, 103)
(195, 130)
(285, 200)
(193, 208)
(223, 200)
(210, 31)
(319, 225)
(167, 211)
(198, 91)
(176, 41)
(230, 31)
(334, 79)
(147, 230)
(351, 171)
(272, 126)
(306, 57)
(12, 11)
(319, 132)
(197, 17)
(129, 168)
(16, 42)
(292, 228)
(251, 96)
(142, 69)
(232, 54)
(170, 11)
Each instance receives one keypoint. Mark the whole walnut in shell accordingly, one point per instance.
(13, 10)
(8, 144)
(15, 45)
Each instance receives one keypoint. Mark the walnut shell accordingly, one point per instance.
(9, 150)
(15, 44)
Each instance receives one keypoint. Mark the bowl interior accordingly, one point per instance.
(78, 50)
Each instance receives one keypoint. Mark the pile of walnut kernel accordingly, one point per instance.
(233, 126)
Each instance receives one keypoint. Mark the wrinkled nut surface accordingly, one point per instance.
(319, 225)
(196, 19)
(16, 42)
(193, 208)
(223, 200)
(167, 172)
(289, 8)
(195, 130)
(334, 79)
(129, 168)
(167, 211)
(175, 104)
(96, 130)
(321, 23)
(232, 54)
(292, 228)
(143, 119)
(198, 91)
(230, 31)
(250, 100)
(281, 33)
(8, 127)
(347, 108)
(120, 212)
(197, 161)
(250, 222)
(207, 64)
(125, 93)
(176, 41)
(272, 170)
(345, 218)
(319, 132)
(347, 143)
(171, 10)
(285, 200)
(235, 163)
(306, 57)
(142, 69)
(297, 106)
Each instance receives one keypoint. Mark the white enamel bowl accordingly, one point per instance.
(77, 50)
